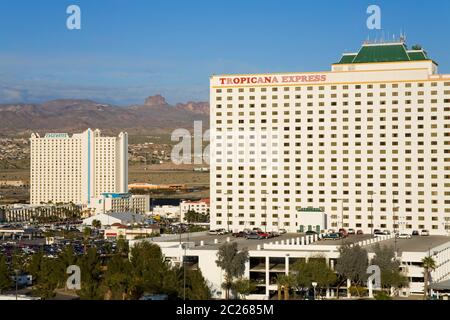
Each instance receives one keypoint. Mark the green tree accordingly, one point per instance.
(149, 270)
(65, 259)
(122, 246)
(285, 283)
(97, 224)
(314, 270)
(428, 264)
(389, 266)
(244, 287)
(5, 279)
(196, 286)
(87, 232)
(46, 280)
(232, 261)
(90, 266)
(352, 264)
(118, 278)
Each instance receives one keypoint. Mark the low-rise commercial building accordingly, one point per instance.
(269, 258)
(201, 206)
(36, 213)
(108, 219)
(120, 202)
(130, 233)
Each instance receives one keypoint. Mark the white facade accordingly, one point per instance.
(271, 257)
(374, 134)
(120, 202)
(108, 219)
(172, 212)
(200, 206)
(78, 168)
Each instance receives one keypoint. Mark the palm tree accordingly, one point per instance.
(429, 264)
(285, 282)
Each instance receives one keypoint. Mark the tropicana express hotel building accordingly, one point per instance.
(367, 143)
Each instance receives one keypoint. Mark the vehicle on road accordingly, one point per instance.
(217, 232)
(252, 236)
(359, 232)
(282, 231)
(310, 232)
(264, 235)
(386, 232)
(331, 231)
(424, 233)
(332, 236)
(404, 236)
(415, 233)
(343, 232)
(273, 234)
(351, 231)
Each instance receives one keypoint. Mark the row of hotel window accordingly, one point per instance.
(334, 87)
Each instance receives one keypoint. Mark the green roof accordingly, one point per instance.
(347, 58)
(417, 55)
(387, 52)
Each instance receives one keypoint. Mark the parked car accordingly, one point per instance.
(359, 232)
(343, 232)
(424, 232)
(253, 236)
(273, 234)
(415, 233)
(386, 232)
(239, 234)
(217, 232)
(257, 230)
(332, 236)
(263, 235)
(282, 231)
(351, 231)
(310, 232)
(404, 236)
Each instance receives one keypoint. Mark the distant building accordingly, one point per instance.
(108, 219)
(200, 206)
(129, 233)
(78, 168)
(13, 183)
(30, 213)
(120, 202)
(167, 211)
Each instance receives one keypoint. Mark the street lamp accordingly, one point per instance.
(314, 284)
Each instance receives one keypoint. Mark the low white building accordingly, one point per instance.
(271, 257)
(311, 219)
(167, 211)
(130, 233)
(200, 206)
(120, 202)
(108, 219)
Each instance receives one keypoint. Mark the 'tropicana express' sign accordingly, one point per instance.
(249, 80)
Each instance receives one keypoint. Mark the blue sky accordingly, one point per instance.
(130, 49)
